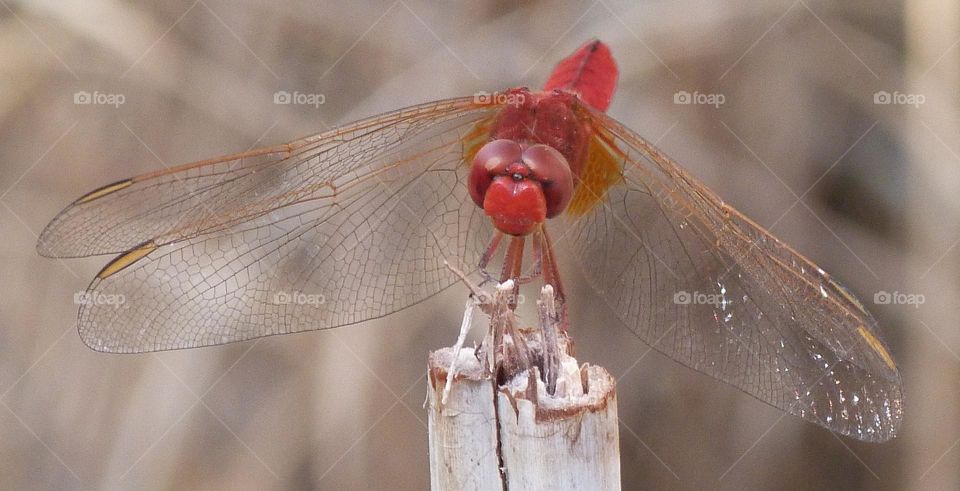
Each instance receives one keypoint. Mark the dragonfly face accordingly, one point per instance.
(365, 217)
(520, 186)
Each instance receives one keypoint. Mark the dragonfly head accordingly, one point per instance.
(520, 186)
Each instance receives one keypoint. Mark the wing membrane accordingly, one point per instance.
(709, 288)
(347, 226)
(202, 197)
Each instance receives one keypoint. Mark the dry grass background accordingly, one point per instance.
(341, 409)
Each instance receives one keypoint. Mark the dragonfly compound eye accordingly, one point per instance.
(551, 170)
(492, 160)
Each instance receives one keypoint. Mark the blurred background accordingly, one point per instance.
(849, 107)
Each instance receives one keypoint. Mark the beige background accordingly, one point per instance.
(337, 409)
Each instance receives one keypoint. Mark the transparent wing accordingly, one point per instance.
(184, 201)
(706, 286)
(334, 229)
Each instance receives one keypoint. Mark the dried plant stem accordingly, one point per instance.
(514, 434)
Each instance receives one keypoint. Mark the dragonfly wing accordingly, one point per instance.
(187, 200)
(354, 228)
(706, 286)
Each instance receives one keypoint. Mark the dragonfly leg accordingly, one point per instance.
(537, 252)
(512, 267)
(487, 256)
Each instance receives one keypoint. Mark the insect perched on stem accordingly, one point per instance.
(356, 223)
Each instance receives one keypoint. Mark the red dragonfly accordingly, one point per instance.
(356, 223)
